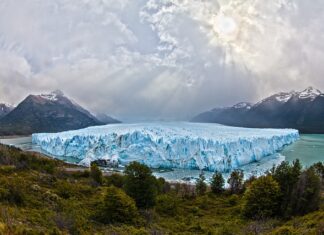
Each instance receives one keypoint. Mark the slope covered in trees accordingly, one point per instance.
(41, 196)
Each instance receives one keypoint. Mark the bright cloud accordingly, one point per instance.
(159, 59)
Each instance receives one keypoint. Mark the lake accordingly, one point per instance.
(309, 150)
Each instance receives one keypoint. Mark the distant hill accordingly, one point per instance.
(300, 110)
(5, 109)
(52, 112)
(104, 118)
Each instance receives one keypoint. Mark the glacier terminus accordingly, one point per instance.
(181, 145)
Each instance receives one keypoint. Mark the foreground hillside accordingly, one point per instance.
(44, 196)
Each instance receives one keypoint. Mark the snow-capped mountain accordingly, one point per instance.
(51, 112)
(303, 110)
(243, 105)
(5, 109)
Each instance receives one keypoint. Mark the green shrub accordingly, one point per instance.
(7, 169)
(284, 230)
(287, 176)
(262, 198)
(13, 191)
(201, 186)
(140, 184)
(307, 193)
(227, 230)
(117, 207)
(194, 210)
(167, 205)
(116, 180)
(217, 183)
(163, 186)
(319, 170)
(235, 181)
(233, 200)
(64, 189)
(96, 174)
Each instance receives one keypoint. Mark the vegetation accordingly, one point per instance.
(96, 174)
(217, 183)
(42, 196)
(140, 185)
(201, 186)
(236, 181)
(287, 176)
(262, 198)
(117, 207)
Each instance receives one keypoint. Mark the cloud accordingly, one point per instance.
(152, 59)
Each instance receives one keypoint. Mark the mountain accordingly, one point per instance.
(52, 112)
(300, 110)
(5, 109)
(104, 118)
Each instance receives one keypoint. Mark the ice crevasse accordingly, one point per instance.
(168, 145)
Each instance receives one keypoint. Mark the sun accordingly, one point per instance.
(225, 26)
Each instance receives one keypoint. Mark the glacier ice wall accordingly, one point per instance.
(168, 145)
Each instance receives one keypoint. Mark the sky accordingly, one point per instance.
(159, 59)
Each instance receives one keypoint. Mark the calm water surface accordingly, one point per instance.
(309, 150)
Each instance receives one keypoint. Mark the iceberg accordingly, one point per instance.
(180, 145)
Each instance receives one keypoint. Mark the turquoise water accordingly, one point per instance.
(309, 150)
(25, 143)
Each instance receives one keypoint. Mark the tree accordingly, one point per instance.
(96, 174)
(201, 186)
(287, 176)
(319, 170)
(235, 181)
(140, 184)
(116, 180)
(307, 193)
(167, 205)
(117, 207)
(217, 183)
(262, 198)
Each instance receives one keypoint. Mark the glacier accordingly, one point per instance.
(180, 145)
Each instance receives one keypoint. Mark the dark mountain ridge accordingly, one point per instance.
(299, 110)
(52, 112)
(5, 109)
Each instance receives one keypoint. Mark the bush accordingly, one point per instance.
(284, 230)
(235, 181)
(96, 174)
(163, 186)
(64, 189)
(307, 193)
(117, 207)
(140, 184)
(201, 186)
(167, 205)
(185, 191)
(262, 198)
(287, 176)
(233, 200)
(319, 170)
(12, 192)
(217, 183)
(116, 180)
